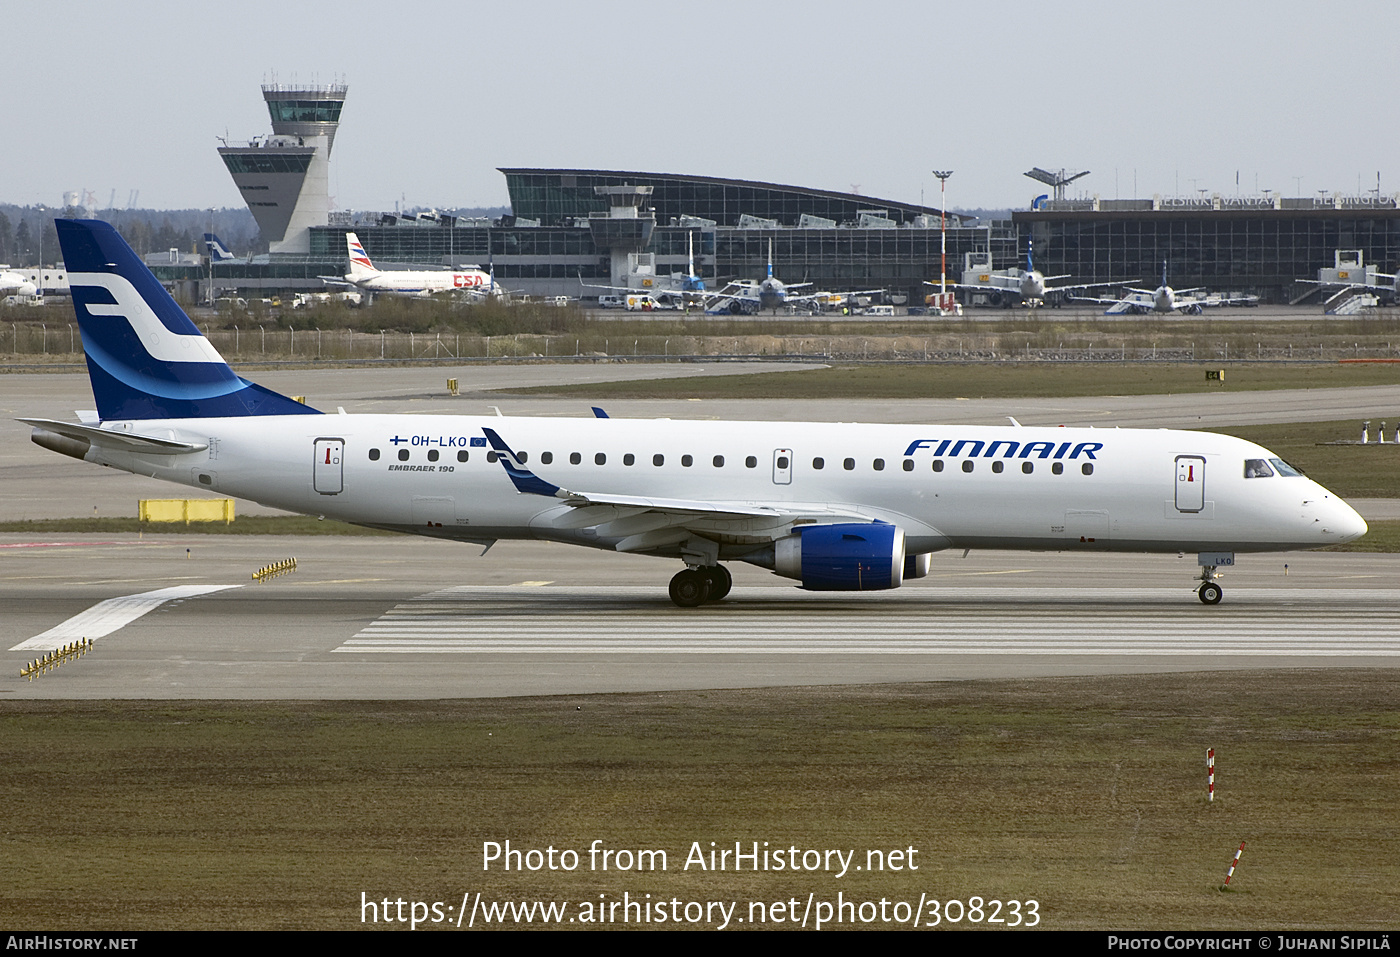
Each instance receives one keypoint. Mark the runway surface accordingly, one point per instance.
(404, 618)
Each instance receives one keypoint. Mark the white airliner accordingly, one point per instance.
(15, 284)
(1030, 285)
(1166, 299)
(745, 296)
(416, 283)
(837, 507)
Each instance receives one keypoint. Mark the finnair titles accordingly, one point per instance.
(835, 507)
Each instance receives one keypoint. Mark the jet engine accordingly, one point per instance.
(852, 557)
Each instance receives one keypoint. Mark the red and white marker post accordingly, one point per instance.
(1234, 864)
(1210, 774)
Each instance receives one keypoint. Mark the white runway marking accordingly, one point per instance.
(933, 621)
(107, 616)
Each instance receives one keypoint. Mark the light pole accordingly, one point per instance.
(943, 175)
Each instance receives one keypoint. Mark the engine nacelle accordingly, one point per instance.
(853, 557)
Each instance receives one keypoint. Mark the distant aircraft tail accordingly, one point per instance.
(145, 358)
(360, 266)
(218, 252)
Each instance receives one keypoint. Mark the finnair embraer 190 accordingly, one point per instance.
(837, 507)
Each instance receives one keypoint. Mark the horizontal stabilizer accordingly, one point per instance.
(113, 440)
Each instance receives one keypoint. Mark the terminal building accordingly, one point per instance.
(1256, 245)
(575, 232)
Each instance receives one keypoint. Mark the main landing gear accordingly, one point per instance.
(693, 587)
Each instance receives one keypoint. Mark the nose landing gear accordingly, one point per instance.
(1210, 593)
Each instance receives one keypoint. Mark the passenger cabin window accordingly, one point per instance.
(968, 465)
(818, 464)
(938, 465)
(521, 457)
(374, 455)
(545, 458)
(878, 465)
(1027, 468)
(575, 458)
(490, 456)
(751, 462)
(432, 455)
(687, 461)
(1257, 468)
(908, 465)
(848, 464)
(403, 455)
(782, 461)
(1087, 468)
(600, 458)
(629, 459)
(998, 465)
(462, 456)
(719, 461)
(1058, 468)
(658, 460)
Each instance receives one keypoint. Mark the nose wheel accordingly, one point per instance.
(1209, 593)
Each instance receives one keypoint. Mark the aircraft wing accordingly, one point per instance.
(1086, 285)
(817, 295)
(647, 522)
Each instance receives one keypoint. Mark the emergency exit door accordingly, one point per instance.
(327, 470)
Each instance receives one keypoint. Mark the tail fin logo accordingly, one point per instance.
(160, 343)
(358, 256)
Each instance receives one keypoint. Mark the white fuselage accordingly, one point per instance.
(420, 282)
(15, 284)
(996, 487)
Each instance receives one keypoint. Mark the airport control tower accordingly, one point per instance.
(284, 177)
(625, 229)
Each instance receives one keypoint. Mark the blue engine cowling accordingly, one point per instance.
(853, 557)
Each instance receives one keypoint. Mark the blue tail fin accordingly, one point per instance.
(145, 358)
(218, 252)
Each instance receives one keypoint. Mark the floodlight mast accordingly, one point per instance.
(943, 175)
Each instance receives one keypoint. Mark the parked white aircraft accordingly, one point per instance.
(745, 296)
(1166, 299)
(1030, 285)
(15, 284)
(837, 507)
(416, 283)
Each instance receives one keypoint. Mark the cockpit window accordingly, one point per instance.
(1286, 470)
(1257, 468)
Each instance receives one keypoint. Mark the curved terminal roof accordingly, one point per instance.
(552, 196)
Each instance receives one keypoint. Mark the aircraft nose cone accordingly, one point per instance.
(1345, 522)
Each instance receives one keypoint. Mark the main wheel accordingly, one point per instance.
(690, 588)
(720, 581)
(1210, 593)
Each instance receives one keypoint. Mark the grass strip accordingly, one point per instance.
(1087, 794)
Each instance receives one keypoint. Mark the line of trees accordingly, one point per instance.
(26, 232)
